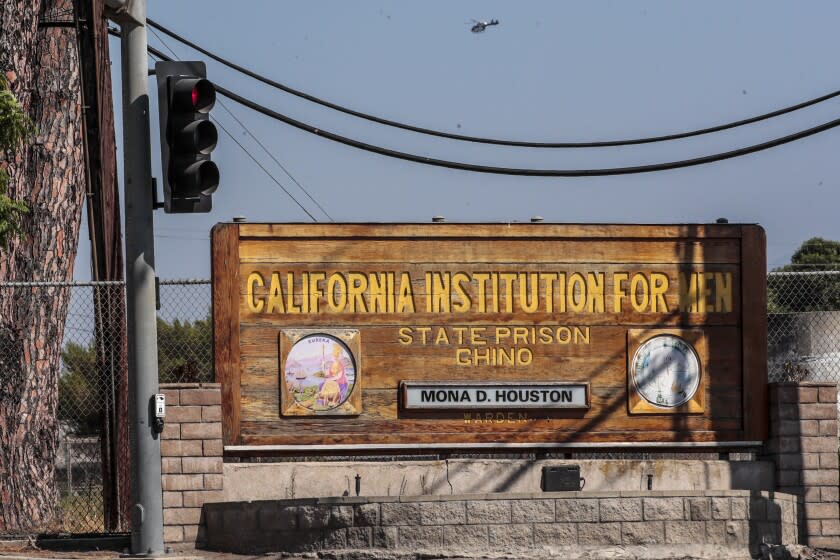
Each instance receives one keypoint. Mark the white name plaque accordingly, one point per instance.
(461, 395)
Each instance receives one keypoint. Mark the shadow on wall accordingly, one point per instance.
(771, 523)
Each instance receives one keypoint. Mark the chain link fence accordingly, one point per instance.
(92, 466)
(803, 326)
(93, 461)
(185, 332)
(91, 471)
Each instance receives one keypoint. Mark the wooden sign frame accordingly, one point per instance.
(247, 356)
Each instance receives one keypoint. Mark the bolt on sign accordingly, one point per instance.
(406, 336)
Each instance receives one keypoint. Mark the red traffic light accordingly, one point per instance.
(187, 136)
(194, 94)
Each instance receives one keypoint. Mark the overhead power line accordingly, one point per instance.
(277, 161)
(261, 145)
(267, 172)
(481, 140)
(602, 172)
(531, 172)
(153, 52)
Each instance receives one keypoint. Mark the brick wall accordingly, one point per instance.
(803, 443)
(191, 458)
(502, 522)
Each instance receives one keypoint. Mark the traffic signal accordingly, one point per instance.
(187, 137)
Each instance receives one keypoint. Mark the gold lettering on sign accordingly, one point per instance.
(705, 292)
(441, 292)
(495, 345)
(497, 418)
(254, 279)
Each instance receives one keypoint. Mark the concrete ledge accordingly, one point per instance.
(277, 481)
(352, 500)
(738, 521)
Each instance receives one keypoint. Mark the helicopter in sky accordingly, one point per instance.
(479, 26)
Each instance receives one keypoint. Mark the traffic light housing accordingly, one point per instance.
(187, 137)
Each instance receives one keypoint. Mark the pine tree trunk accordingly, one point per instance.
(49, 176)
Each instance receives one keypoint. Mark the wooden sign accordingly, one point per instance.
(396, 336)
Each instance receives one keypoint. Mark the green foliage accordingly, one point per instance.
(185, 354)
(15, 127)
(79, 401)
(185, 351)
(10, 213)
(816, 254)
(804, 293)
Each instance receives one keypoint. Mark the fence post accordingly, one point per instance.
(68, 465)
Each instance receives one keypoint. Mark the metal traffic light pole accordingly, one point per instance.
(147, 494)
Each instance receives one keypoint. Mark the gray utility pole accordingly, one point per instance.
(147, 493)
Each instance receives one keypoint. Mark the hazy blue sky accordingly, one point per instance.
(551, 70)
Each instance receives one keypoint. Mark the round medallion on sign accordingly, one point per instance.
(320, 372)
(666, 371)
